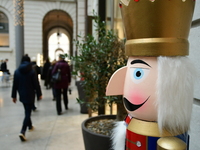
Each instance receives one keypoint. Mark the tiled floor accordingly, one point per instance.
(52, 132)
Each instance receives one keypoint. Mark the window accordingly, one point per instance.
(4, 30)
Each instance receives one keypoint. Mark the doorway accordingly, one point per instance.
(57, 34)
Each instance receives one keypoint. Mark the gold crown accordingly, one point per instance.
(157, 27)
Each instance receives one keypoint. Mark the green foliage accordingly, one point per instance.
(98, 59)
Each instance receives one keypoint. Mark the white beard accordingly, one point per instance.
(175, 93)
(119, 136)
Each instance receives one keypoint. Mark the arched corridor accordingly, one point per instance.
(57, 34)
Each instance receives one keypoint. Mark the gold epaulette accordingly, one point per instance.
(171, 143)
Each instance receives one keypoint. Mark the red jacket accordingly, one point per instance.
(65, 74)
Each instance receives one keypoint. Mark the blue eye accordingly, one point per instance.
(138, 73)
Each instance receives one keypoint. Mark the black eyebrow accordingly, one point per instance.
(139, 61)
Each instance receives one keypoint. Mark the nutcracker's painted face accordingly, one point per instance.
(140, 88)
(153, 85)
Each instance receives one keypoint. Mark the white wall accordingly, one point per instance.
(81, 17)
(195, 129)
(92, 5)
(34, 12)
(194, 40)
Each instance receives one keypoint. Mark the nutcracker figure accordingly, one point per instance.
(157, 82)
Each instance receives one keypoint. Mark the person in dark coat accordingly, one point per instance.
(49, 77)
(26, 84)
(45, 70)
(5, 70)
(4, 66)
(62, 86)
(36, 68)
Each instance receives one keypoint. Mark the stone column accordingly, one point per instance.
(112, 13)
(19, 30)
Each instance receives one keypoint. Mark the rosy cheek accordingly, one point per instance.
(136, 98)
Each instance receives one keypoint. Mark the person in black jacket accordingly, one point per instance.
(36, 68)
(45, 70)
(49, 78)
(26, 84)
(5, 70)
(4, 66)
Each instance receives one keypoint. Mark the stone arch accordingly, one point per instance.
(60, 33)
(11, 30)
(57, 19)
(58, 50)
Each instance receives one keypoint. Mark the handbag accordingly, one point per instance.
(56, 77)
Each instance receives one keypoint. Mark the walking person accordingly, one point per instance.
(1, 62)
(1, 72)
(5, 70)
(26, 84)
(61, 87)
(45, 70)
(4, 66)
(36, 69)
(49, 78)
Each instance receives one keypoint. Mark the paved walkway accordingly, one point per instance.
(52, 132)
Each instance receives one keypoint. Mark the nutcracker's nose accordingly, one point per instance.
(116, 83)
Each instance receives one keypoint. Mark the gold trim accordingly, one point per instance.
(168, 143)
(147, 128)
(157, 47)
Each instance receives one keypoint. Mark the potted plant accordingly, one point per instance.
(99, 57)
(81, 94)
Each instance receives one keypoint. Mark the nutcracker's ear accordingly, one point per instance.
(116, 83)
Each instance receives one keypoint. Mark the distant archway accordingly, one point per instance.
(56, 41)
(57, 23)
(58, 52)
